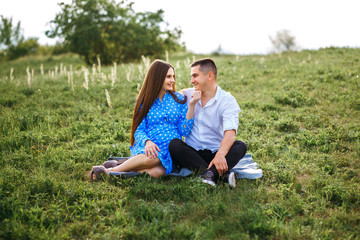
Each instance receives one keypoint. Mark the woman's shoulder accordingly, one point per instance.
(179, 95)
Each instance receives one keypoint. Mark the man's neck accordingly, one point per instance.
(208, 94)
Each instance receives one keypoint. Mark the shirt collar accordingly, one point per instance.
(213, 99)
(217, 94)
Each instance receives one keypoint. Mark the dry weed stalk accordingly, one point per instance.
(146, 61)
(11, 74)
(86, 76)
(167, 56)
(61, 69)
(71, 78)
(115, 66)
(138, 88)
(108, 98)
(141, 71)
(113, 77)
(187, 62)
(28, 77)
(128, 74)
(99, 65)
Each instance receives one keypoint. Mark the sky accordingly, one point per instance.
(240, 26)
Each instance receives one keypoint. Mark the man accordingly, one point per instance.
(210, 147)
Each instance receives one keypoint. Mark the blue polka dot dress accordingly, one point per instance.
(165, 121)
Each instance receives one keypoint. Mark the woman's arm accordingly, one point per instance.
(187, 113)
(140, 133)
(151, 149)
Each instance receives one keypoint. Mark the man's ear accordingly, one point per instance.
(211, 75)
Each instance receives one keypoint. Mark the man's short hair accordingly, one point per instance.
(206, 65)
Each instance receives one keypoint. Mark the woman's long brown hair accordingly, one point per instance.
(150, 90)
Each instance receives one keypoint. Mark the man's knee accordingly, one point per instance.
(243, 145)
(239, 146)
(174, 145)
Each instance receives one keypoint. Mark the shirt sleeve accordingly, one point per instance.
(231, 114)
(140, 134)
(184, 126)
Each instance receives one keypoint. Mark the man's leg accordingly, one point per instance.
(185, 156)
(236, 152)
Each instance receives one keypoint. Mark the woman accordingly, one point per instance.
(160, 115)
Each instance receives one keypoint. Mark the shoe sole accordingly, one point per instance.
(211, 183)
(232, 180)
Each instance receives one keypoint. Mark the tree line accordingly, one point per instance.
(97, 28)
(108, 30)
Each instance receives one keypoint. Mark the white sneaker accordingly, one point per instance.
(232, 180)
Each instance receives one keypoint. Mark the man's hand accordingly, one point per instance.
(220, 163)
(151, 149)
(195, 97)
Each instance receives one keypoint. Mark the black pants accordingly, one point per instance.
(184, 155)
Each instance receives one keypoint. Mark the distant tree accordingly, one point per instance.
(23, 48)
(9, 34)
(283, 41)
(112, 31)
(217, 52)
(12, 42)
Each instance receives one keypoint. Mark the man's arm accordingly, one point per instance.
(219, 160)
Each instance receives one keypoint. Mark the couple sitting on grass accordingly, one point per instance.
(205, 115)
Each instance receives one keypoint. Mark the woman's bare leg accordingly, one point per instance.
(136, 164)
(155, 172)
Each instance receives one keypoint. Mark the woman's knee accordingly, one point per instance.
(157, 171)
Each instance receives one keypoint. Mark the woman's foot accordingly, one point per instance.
(96, 172)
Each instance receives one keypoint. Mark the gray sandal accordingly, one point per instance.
(97, 171)
(113, 163)
(110, 164)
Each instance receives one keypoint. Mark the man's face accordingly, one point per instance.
(198, 79)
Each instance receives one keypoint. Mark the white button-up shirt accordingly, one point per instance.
(221, 113)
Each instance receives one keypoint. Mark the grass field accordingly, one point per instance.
(300, 119)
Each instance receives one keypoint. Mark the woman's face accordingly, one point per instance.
(169, 80)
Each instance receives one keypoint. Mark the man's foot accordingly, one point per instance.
(208, 178)
(230, 177)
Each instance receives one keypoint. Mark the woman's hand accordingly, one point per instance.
(151, 149)
(195, 97)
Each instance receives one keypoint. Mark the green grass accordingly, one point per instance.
(300, 119)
